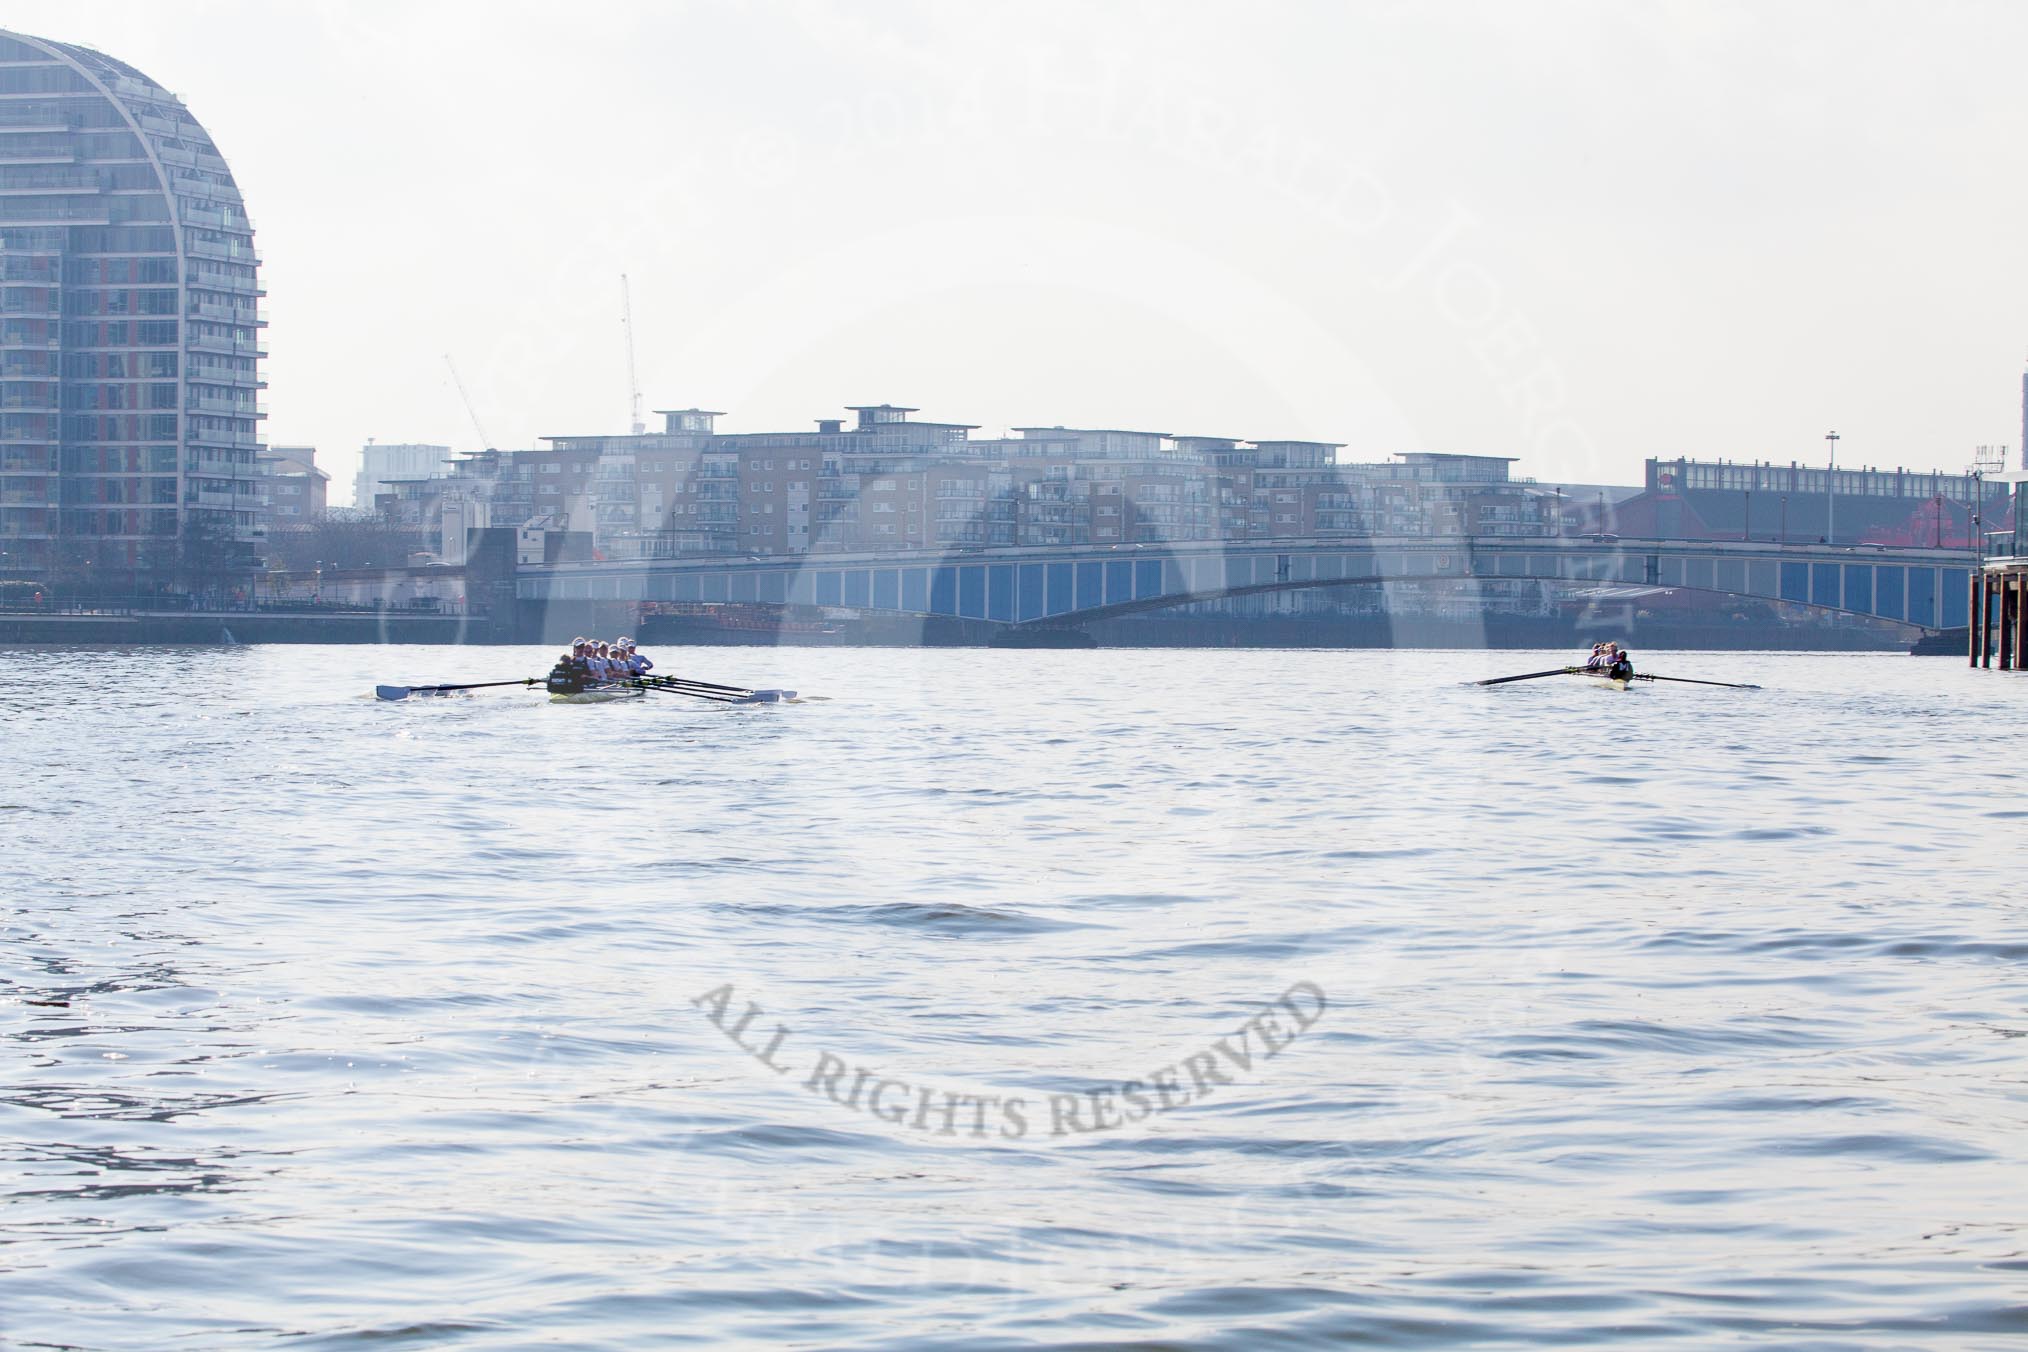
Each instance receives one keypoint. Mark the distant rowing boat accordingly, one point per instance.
(1603, 677)
(574, 690)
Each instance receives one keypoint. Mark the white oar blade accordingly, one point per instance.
(391, 691)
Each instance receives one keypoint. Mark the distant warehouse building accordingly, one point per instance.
(1802, 504)
(129, 331)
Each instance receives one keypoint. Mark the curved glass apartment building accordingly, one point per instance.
(129, 333)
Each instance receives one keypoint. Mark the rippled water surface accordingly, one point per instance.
(1684, 1016)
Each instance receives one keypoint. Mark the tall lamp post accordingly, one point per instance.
(1978, 519)
(1831, 492)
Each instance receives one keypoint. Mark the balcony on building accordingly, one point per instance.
(20, 180)
(29, 118)
(35, 269)
(234, 252)
(211, 218)
(37, 213)
(246, 317)
(233, 347)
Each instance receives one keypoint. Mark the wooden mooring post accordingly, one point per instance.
(1975, 613)
(2008, 594)
(2020, 581)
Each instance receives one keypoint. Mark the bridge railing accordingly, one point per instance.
(1021, 585)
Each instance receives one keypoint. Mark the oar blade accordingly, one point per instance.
(391, 691)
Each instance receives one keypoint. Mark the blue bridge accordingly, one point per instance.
(1065, 585)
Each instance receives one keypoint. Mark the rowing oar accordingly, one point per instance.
(1686, 680)
(724, 694)
(694, 694)
(404, 691)
(737, 694)
(1531, 676)
(701, 685)
(672, 686)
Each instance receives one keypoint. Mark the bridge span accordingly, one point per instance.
(1057, 585)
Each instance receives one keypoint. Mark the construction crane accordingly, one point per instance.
(633, 379)
(485, 442)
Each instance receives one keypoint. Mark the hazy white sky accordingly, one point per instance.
(1578, 233)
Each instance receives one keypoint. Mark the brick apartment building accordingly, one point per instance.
(891, 481)
(293, 490)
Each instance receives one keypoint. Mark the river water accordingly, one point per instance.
(1108, 999)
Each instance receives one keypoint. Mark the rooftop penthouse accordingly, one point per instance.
(884, 429)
